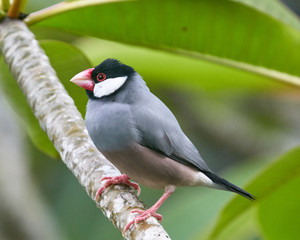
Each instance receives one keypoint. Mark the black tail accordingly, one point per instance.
(228, 186)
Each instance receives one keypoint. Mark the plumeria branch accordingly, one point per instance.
(15, 8)
(60, 119)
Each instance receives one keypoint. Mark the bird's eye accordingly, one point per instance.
(101, 77)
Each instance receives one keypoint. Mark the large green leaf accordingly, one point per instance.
(279, 212)
(67, 61)
(226, 32)
(163, 69)
(278, 177)
(274, 8)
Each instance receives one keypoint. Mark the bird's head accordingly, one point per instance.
(105, 79)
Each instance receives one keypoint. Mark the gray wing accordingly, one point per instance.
(160, 131)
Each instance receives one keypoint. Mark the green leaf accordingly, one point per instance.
(225, 32)
(279, 212)
(274, 8)
(67, 61)
(243, 227)
(162, 69)
(275, 178)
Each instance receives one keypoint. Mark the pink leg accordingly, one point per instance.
(144, 214)
(124, 179)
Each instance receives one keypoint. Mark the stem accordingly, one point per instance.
(15, 8)
(62, 122)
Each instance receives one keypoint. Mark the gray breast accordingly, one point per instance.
(110, 125)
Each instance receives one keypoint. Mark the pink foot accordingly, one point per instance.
(151, 212)
(124, 179)
(144, 214)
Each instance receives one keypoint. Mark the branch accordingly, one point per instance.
(60, 119)
(15, 9)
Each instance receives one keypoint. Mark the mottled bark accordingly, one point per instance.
(60, 119)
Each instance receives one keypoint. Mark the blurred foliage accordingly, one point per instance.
(240, 121)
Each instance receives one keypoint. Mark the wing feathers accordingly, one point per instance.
(160, 131)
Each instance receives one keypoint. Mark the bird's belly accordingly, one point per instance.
(152, 169)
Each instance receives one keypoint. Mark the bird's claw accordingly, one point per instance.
(143, 215)
(124, 179)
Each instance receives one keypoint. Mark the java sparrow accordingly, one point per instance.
(139, 134)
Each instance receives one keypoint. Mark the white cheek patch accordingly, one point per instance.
(108, 86)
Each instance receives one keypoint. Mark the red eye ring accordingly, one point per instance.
(101, 77)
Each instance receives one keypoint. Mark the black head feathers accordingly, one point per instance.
(112, 68)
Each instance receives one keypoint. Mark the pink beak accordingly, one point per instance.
(84, 79)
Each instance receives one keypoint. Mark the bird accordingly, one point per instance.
(140, 135)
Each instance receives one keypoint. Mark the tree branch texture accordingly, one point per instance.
(62, 122)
